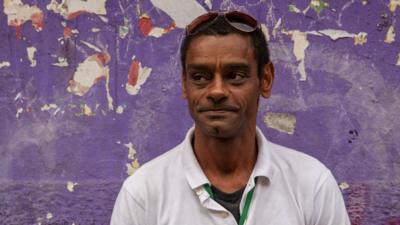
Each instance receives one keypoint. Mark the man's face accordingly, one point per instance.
(221, 84)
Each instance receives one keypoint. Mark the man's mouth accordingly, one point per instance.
(218, 109)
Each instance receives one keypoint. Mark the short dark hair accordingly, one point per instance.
(220, 27)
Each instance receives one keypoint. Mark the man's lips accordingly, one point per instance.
(218, 109)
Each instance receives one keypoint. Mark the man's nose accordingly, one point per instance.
(217, 90)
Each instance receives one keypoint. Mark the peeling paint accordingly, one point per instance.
(344, 186)
(124, 29)
(71, 185)
(137, 76)
(19, 111)
(300, 44)
(276, 27)
(390, 35)
(282, 122)
(398, 60)
(88, 73)
(49, 216)
(61, 62)
(31, 55)
(131, 151)
(120, 109)
(86, 110)
(4, 64)
(134, 165)
(95, 30)
(91, 46)
(147, 28)
(181, 11)
(47, 107)
(208, 3)
(264, 29)
(70, 9)
(359, 39)
(18, 13)
(293, 8)
(393, 5)
(318, 5)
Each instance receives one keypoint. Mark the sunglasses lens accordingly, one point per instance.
(199, 21)
(241, 21)
(238, 20)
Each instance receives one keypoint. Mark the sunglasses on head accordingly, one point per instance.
(238, 20)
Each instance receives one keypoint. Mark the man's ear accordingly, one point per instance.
(267, 79)
(183, 78)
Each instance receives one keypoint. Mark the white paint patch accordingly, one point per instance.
(49, 216)
(300, 43)
(132, 167)
(293, 8)
(92, 46)
(359, 39)
(390, 35)
(87, 74)
(95, 30)
(131, 151)
(67, 8)
(157, 32)
(19, 111)
(398, 60)
(208, 3)
(264, 29)
(61, 62)
(282, 122)
(4, 64)
(71, 185)
(31, 55)
(18, 13)
(86, 110)
(181, 11)
(120, 109)
(393, 5)
(18, 96)
(344, 186)
(276, 27)
(47, 107)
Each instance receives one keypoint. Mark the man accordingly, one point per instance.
(225, 171)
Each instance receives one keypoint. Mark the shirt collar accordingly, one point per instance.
(195, 175)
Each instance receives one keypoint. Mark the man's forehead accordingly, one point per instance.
(235, 47)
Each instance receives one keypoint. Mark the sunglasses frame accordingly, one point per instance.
(238, 20)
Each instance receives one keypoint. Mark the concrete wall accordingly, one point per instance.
(90, 90)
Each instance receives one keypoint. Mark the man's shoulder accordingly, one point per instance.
(296, 164)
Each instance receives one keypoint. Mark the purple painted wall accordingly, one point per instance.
(90, 90)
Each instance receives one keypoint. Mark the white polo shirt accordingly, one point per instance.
(291, 189)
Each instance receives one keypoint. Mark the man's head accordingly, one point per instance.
(221, 26)
(224, 73)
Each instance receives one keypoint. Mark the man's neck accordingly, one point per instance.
(227, 163)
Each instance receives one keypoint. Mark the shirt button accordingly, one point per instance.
(199, 191)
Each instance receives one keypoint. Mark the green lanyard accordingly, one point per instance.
(245, 212)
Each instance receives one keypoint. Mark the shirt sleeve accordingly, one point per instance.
(329, 207)
(127, 210)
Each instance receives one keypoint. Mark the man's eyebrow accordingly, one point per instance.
(238, 66)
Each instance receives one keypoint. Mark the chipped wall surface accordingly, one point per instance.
(90, 91)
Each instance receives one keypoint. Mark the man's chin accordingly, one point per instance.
(223, 131)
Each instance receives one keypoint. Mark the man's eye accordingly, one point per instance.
(237, 76)
(200, 77)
